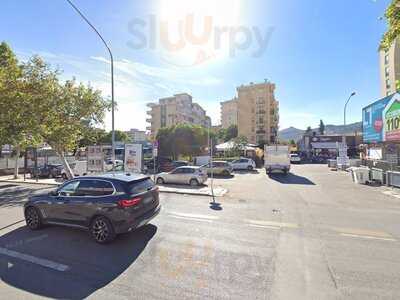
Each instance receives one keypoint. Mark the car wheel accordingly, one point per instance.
(102, 230)
(193, 182)
(250, 168)
(32, 218)
(225, 173)
(160, 180)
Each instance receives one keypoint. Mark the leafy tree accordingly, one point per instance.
(239, 143)
(308, 130)
(321, 128)
(231, 132)
(71, 104)
(120, 136)
(392, 15)
(292, 142)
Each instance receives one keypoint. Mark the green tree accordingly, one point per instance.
(392, 15)
(120, 136)
(321, 128)
(239, 143)
(231, 132)
(71, 104)
(308, 130)
(292, 142)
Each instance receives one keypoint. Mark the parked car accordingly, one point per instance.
(295, 158)
(243, 164)
(218, 168)
(163, 164)
(47, 171)
(183, 175)
(180, 163)
(106, 205)
(79, 168)
(108, 164)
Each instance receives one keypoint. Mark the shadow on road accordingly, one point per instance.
(90, 266)
(17, 196)
(254, 171)
(290, 178)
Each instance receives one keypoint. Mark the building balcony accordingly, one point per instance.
(149, 112)
(260, 132)
(151, 104)
(148, 120)
(148, 128)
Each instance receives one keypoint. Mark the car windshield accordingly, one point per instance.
(207, 149)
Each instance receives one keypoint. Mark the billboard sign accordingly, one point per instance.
(133, 157)
(95, 159)
(392, 120)
(374, 120)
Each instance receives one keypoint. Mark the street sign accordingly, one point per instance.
(133, 157)
(95, 159)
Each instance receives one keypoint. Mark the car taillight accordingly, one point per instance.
(129, 202)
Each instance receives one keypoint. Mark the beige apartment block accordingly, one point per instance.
(137, 135)
(258, 112)
(389, 61)
(229, 113)
(178, 109)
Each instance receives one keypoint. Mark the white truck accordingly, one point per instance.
(276, 157)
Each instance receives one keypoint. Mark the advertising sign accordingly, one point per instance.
(133, 157)
(373, 120)
(392, 120)
(95, 159)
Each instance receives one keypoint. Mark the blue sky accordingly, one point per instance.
(317, 52)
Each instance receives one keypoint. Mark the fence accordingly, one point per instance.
(9, 163)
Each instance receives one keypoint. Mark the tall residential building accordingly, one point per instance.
(389, 61)
(137, 135)
(229, 113)
(178, 109)
(258, 112)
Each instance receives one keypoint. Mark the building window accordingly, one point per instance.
(387, 71)
(386, 59)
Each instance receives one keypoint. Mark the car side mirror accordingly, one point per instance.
(53, 193)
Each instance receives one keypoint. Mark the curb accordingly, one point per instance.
(27, 182)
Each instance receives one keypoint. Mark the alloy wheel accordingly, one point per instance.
(32, 218)
(100, 230)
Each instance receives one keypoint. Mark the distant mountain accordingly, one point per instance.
(293, 133)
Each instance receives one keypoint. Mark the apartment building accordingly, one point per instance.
(389, 61)
(258, 112)
(229, 113)
(178, 109)
(137, 135)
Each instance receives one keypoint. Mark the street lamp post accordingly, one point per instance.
(344, 117)
(112, 79)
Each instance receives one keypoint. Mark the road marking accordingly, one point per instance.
(192, 219)
(363, 232)
(368, 237)
(35, 260)
(194, 216)
(265, 226)
(273, 224)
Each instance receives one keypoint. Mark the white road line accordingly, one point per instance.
(191, 219)
(264, 226)
(35, 260)
(273, 224)
(207, 217)
(367, 237)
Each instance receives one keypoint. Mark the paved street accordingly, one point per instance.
(311, 235)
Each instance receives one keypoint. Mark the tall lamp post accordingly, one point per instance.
(344, 117)
(112, 78)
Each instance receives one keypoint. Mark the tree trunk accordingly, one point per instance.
(65, 164)
(18, 152)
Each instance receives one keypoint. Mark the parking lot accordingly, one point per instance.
(311, 235)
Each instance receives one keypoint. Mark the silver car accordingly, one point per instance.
(183, 175)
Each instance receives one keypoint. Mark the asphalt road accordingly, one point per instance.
(311, 235)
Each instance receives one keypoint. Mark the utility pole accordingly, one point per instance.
(112, 78)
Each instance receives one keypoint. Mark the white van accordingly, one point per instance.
(276, 158)
(79, 168)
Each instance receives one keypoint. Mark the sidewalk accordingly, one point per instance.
(177, 189)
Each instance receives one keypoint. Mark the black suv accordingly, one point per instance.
(106, 205)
